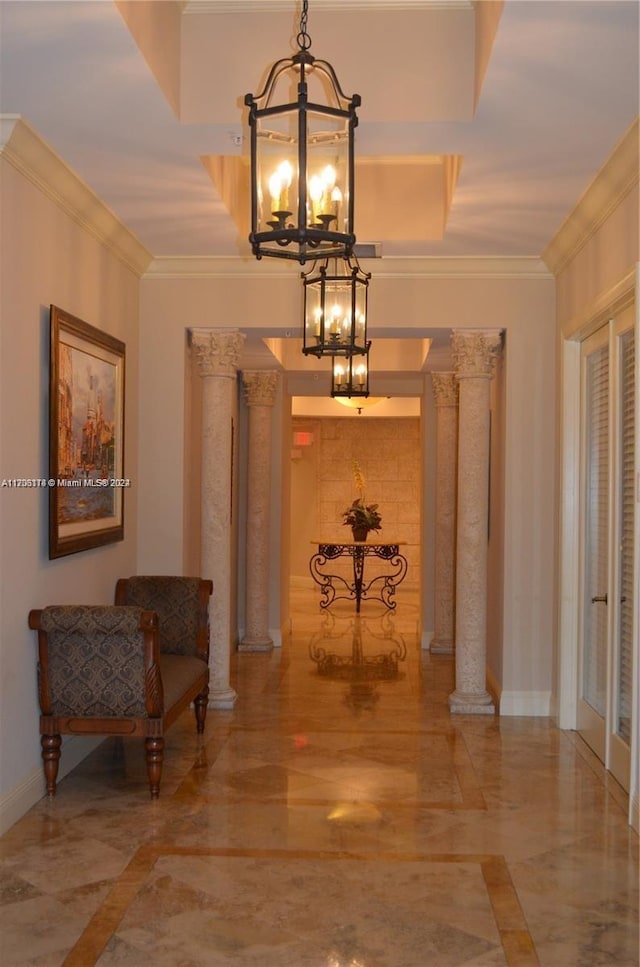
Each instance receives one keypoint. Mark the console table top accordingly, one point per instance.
(336, 542)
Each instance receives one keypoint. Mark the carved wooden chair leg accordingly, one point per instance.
(154, 748)
(51, 759)
(200, 704)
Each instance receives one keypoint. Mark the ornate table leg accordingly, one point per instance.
(388, 582)
(358, 574)
(325, 581)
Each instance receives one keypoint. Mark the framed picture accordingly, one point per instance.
(86, 436)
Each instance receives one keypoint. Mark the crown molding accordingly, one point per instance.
(464, 267)
(29, 154)
(617, 177)
(276, 6)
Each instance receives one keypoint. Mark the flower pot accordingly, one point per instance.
(359, 533)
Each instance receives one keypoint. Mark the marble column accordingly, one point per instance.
(445, 391)
(474, 354)
(260, 392)
(217, 353)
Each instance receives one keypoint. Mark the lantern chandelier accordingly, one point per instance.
(335, 309)
(350, 376)
(302, 159)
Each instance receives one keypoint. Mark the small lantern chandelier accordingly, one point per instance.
(350, 377)
(302, 159)
(335, 309)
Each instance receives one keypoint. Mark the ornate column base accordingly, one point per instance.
(222, 698)
(442, 646)
(472, 703)
(249, 644)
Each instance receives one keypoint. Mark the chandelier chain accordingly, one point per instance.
(303, 38)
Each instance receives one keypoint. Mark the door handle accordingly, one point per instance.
(599, 597)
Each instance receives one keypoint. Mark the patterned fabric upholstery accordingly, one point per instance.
(96, 660)
(175, 601)
(100, 671)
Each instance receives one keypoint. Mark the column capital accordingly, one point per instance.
(475, 351)
(445, 389)
(260, 386)
(217, 351)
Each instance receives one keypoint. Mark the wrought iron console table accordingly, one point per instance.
(382, 587)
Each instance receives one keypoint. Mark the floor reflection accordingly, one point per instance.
(353, 661)
(337, 816)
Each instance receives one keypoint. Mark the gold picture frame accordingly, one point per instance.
(86, 436)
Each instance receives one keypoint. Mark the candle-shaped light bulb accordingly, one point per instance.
(317, 319)
(275, 187)
(315, 188)
(315, 196)
(285, 170)
(336, 199)
(335, 318)
(339, 371)
(360, 373)
(329, 176)
(327, 180)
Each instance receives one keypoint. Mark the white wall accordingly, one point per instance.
(47, 258)
(529, 521)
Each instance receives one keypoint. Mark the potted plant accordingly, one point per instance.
(361, 516)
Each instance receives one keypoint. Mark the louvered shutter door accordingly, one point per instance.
(594, 669)
(624, 683)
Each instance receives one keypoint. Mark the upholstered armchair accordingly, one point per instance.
(102, 671)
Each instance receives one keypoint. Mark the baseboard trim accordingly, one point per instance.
(525, 703)
(427, 638)
(19, 800)
(276, 636)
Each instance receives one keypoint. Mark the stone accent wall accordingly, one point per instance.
(388, 453)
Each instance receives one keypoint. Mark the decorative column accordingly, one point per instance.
(260, 393)
(474, 356)
(445, 391)
(217, 352)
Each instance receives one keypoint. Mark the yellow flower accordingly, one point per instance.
(359, 479)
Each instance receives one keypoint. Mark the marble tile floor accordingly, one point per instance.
(338, 816)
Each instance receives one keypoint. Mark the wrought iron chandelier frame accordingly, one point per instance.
(335, 309)
(297, 213)
(350, 376)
